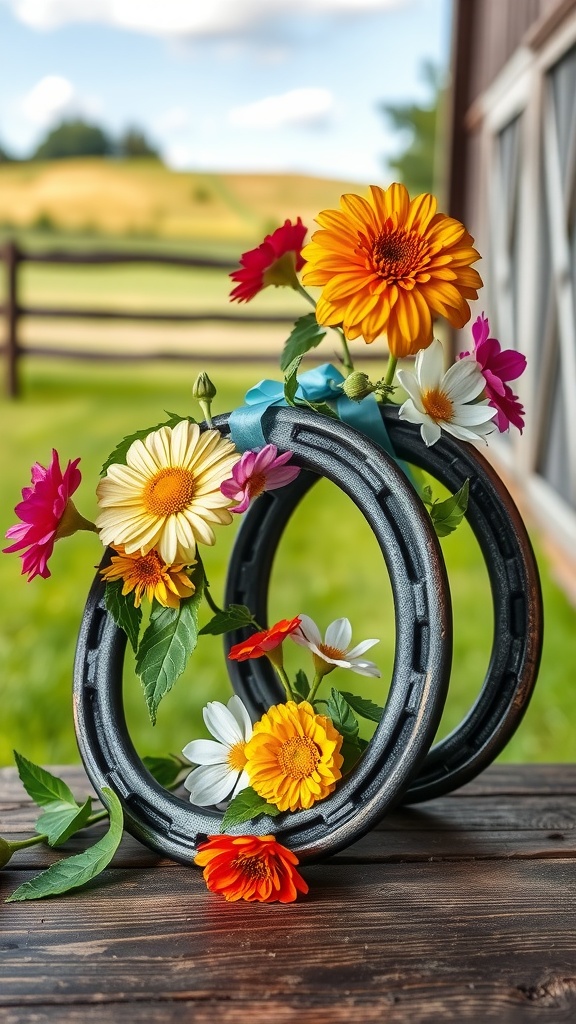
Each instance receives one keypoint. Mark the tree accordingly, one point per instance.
(416, 164)
(5, 157)
(74, 138)
(133, 143)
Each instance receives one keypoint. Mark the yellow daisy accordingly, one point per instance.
(293, 758)
(148, 576)
(386, 264)
(168, 494)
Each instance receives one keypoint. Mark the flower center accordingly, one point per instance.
(254, 867)
(331, 652)
(298, 757)
(169, 491)
(148, 569)
(236, 756)
(397, 254)
(437, 404)
(257, 485)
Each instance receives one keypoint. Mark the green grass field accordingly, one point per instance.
(328, 565)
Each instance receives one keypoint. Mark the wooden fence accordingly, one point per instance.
(12, 310)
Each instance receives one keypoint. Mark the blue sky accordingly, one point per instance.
(279, 85)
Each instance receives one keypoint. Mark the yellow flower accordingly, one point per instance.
(386, 264)
(168, 494)
(147, 575)
(293, 758)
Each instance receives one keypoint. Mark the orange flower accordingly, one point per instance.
(386, 264)
(253, 868)
(147, 575)
(260, 644)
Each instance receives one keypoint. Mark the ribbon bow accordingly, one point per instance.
(322, 384)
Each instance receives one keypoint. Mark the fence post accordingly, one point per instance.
(11, 260)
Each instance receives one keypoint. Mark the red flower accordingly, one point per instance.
(276, 261)
(47, 513)
(253, 868)
(260, 644)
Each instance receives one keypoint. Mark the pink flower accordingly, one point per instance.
(256, 472)
(276, 261)
(47, 513)
(498, 366)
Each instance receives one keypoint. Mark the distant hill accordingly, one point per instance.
(144, 197)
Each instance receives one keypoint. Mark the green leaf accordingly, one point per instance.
(61, 820)
(123, 611)
(164, 769)
(248, 804)
(351, 752)
(363, 707)
(235, 616)
(72, 872)
(306, 335)
(43, 787)
(121, 449)
(321, 407)
(342, 715)
(301, 685)
(291, 381)
(168, 642)
(447, 515)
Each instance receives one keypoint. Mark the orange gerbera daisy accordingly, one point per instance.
(293, 757)
(386, 264)
(147, 575)
(253, 868)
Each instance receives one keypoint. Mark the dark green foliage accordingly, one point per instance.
(415, 164)
(74, 138)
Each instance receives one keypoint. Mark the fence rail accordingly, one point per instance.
(12, 310)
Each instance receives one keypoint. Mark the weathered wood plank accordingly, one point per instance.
(404, 937)
(464, 1004)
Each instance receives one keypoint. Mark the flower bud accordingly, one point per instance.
(204, 391)
(357, 386)
(203, 387)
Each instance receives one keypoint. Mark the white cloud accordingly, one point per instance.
(298, 106)
(52, 97)
(184, 17)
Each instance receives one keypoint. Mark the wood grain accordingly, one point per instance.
(463, 909)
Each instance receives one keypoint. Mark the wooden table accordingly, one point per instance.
(462, 909)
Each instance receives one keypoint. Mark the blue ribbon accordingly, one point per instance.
(322, 384)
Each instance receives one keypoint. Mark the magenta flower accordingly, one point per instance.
(256, 472)
(47, 513)
(498, 366)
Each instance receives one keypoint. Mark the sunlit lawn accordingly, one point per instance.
(328, 565)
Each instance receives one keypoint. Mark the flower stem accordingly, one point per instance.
(390, 370)
(282, 674)
(20, 844)
(211, 602)
(347, 360)
(316, 683)
(302, 291)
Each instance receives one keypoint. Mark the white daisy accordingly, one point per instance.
(220, 775)
(442, 400)
(335, 649)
